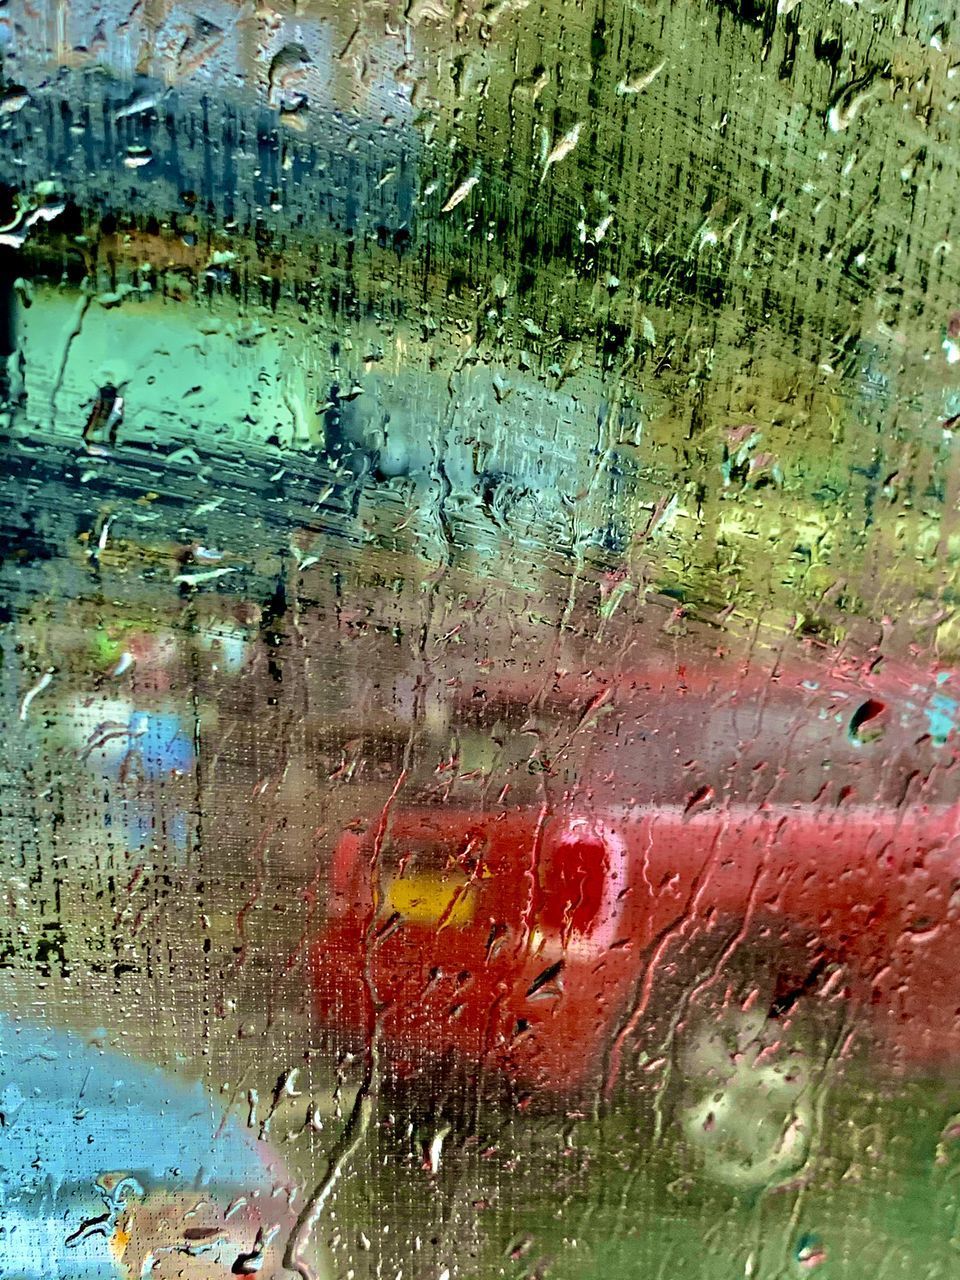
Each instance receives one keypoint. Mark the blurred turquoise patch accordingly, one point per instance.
(942, 717)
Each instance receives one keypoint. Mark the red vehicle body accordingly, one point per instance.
(675, 825)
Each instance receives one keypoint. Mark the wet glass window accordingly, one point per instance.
(479, 643)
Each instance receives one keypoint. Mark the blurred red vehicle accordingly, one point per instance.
(704, 884)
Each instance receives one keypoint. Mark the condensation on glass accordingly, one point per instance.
(479, 640)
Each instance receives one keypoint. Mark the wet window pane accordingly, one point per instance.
(479, 646)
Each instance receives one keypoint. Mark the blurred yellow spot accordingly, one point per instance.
(427, 899)
(119, 1241)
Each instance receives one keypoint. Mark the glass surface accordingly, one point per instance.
(479, 640)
